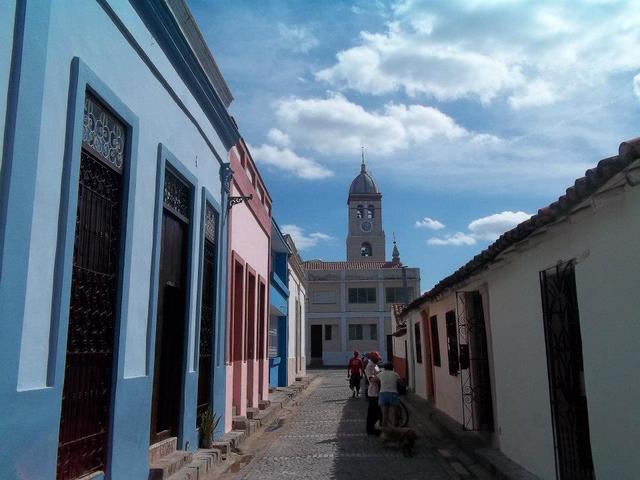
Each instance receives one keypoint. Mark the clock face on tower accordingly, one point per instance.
(365, 226)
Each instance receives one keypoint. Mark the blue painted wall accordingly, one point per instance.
(279, 300)
(57, 52)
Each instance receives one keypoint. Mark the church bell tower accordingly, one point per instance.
(365, 240)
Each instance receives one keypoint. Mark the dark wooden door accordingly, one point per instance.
(86, 396)
(569, 412)
(316, 341)
(205, 370)
(479, 364)
(170, 329)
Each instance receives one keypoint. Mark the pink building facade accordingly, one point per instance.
(249, 220)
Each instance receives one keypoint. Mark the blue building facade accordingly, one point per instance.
(113, 198)
(278, 308)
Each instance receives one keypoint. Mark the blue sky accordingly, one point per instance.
(473, 114)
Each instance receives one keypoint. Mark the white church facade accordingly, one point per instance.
(349, 302)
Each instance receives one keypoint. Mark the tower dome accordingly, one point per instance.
(364, 183)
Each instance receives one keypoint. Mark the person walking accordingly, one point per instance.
(354, 373)
(388, 398)
(373, 412)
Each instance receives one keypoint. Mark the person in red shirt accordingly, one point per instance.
(354, 373)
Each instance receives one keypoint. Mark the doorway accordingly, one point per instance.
(475, 377)
(207, 311)
(171, 321)
(88, 374)
(316, 342)
(262, 340)
(569, 412)
(428, 355)
(251, 340)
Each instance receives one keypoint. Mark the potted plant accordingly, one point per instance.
(208, 424)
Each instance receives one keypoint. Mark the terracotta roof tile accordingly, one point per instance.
(349, 265)
(582, 188)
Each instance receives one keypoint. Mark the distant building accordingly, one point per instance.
(349, 301)
(296, 350)
(535, 340)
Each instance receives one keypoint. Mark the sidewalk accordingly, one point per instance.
(469, 453)
(207, 464)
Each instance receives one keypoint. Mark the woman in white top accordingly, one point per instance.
(388, 398)
(374, 413)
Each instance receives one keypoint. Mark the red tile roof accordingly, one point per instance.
(349, 265)
(583, 187)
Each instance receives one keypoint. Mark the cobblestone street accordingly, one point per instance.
(325, 438)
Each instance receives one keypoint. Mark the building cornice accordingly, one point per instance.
(161, 22)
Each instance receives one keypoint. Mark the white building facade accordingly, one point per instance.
(349, 301)
(296, 321)
(535, 339)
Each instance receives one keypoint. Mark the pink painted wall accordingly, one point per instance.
(249, 244)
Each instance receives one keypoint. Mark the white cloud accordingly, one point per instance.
(457, 239)
(289, 161)
(535, 94)
(464, 49)
(336, 125)
(492, 226)
(302, 240)
(636, 85)
(487, 228)
(429, 223)
(278, 137)
(297, 38)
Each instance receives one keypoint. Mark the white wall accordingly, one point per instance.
(296, 292)
(604, 240)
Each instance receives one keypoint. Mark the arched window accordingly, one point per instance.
(365, 250)
(370, 211)
(360, 212)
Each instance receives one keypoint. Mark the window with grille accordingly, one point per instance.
(435, 341)
(416, 331)
(355, 332)
(324, 297)
(452, 342)
(328, 334)
(396, 294)
(373, 332)
(363, 332)
(362, 295)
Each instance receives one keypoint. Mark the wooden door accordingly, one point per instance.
(207, 311)
(171, 321)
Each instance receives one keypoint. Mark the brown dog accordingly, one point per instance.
(405, 438)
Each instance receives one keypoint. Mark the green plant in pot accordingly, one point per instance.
(208, 424)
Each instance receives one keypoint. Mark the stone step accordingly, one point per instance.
(162, 449)
(252, 412)
(262, 404)
(204, 461)
(240, 423)
(169, 465)
(235, 438)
